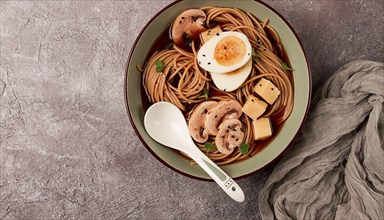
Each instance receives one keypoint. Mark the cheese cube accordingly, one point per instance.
(208, 34)
(254, 107)
(267, 90)
(262, 128)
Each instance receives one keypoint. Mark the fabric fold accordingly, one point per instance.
(335, 168)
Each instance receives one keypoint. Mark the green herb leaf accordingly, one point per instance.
(253, 52)
(205, 95)
(159, 66)
(244, 148)
(209, 146)
(285, 67)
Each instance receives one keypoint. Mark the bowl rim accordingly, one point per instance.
(273, 161)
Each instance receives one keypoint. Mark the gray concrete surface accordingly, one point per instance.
(67, 149)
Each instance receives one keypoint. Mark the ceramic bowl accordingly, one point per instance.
(302, 87)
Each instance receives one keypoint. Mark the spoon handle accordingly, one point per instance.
(218, 175)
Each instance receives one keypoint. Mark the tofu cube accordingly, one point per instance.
(254, 107)
(208, 34)
(262, 128)
(267, 90)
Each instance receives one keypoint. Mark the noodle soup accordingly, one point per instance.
(174, 72)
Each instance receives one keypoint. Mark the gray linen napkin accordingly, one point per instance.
(335, 169)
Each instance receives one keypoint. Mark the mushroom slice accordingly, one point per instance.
(226, 109)
(229, 136)
(235, 137)
(188, 26)
(196, 121)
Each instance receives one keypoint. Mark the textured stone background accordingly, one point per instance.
(67, 149)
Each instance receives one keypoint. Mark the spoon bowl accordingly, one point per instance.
(165, 123)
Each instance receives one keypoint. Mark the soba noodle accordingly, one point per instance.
(183, 83)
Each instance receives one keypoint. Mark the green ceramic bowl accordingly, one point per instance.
(302, 88)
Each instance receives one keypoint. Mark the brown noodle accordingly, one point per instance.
(182, 82)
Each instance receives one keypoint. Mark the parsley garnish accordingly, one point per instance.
(244, 148)
(253, 52)
(209, 146)
(285, 67)
(159, 66)
(205, 95)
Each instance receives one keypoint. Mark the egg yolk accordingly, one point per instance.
(229, 51)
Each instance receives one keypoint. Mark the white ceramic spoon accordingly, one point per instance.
(166, 124)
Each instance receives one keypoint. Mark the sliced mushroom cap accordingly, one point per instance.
(196, 121)
(235, 137)
(226, 109)
(229, 136)
(187, 26)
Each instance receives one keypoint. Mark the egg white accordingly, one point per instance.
(230, 81)
(206, 58)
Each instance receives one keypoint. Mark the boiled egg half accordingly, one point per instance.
(227, 56)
